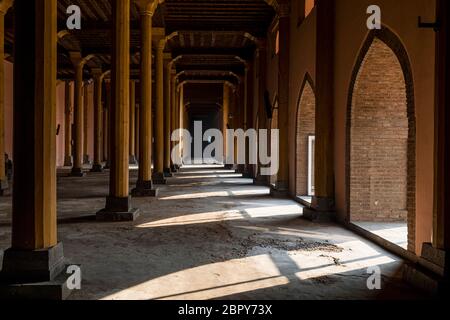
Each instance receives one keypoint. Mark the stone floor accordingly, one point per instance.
(394, 232)
(213, 235)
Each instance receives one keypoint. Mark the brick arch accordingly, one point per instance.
(305, 127)
(381, 133)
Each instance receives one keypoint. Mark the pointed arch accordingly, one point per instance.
(396, 125)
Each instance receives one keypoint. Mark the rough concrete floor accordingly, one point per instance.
(213, 235)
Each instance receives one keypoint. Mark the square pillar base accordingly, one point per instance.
(133, 160)
(86, 159)
(260, 181)
(279, 190)
(56, 289)
(144, 189)
(28, 266)
(158, 178)
(68, 161)
(167, 173)
(77, 172)
(321, 210)
(97, 168)
(228, 167)
(4, 186)
(118, 209)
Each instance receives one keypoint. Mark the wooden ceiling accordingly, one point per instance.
(211, 38)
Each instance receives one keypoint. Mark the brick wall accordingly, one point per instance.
(305, 127)
(379, 139)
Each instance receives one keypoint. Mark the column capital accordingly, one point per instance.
(284, 9)
(161, 44)
(5, 5)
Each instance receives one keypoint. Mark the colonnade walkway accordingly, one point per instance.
(212, 234)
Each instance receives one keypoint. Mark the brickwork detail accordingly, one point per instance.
(306, 117)
(381, 135)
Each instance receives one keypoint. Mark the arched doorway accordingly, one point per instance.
(305, 140)
(381, 141)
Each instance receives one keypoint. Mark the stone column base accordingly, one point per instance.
(167, 173)
(279, 190)
(260, 181)
(4, 186)
(38, 274)
(228, 167)
(321, 210)
(158, 178)
(118, 209)
(68, 161)
(107, 165)
(97, 168)
(86, 159)
(133, 160)
(77, 172)
(144, 189)
(174, 168)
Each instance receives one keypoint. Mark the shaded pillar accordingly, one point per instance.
(136, 132)
(68, 160)
(158, 174)
(4, 6)
(133, 122)
(174, 116)
(98, 120)
(144, 186)
(77, 170)
(280, 188)
(35, 256)
(106, 126)
(118, 203)
(86, 157)
(322, 205)
(225, 123)
(262, 113)
(167, 114)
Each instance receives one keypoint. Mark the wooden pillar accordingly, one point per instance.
(225, 119)
(133, 122)
(323, 200)
(77, 170)
(174, 115)
(441, 221)
(144, 186)
(136, 131)
(158, 174)
(118, 204)
(282, 182)
(68, 160)
(262, 113)
(86, 158)
(167, 114)
(98, 120)
(35, 254)
(106, 109)
(4, 6)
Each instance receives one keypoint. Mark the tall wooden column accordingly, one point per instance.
(174, 115)
(137, 131)
(282, 181)
(167, 113)
(78, 62)
(144, 186)
(4, 6)
(118, 204)
(158, 174)
(68, 160)
(225, 119)
(322, 206)
(106, 109)
(133, 122)
(98, 120)
(441, 223)
(35, 255)
(86, 158)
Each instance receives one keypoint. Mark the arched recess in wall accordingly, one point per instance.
(381, 134)
(274, 125)
(305, 138)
